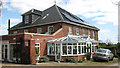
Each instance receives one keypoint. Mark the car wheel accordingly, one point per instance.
(108, 59)
(94, 59)
(112, 59)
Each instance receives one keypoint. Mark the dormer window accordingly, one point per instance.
(26, 19)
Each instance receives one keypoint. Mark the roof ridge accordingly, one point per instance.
(59, 12)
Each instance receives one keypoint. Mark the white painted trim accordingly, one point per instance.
(39, 47)
(49, 27)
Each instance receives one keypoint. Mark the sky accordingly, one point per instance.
(100, 13)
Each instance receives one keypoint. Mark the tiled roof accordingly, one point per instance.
(53, 14)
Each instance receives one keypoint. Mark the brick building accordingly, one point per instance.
(42, 29)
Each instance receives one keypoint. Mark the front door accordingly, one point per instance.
(58, 55)
(4, 52)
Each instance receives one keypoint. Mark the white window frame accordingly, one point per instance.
(38, 46)
(89, 32)
(83, 31)
(26, 30)
(49, 29)
(93, 34)
(38, 30)
(72, 49)
(15, 32)
(77, 31)
(26, 19)
(70, 30)
(53, 47)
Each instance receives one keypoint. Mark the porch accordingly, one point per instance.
(72, 46)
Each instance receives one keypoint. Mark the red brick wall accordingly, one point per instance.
(32, 52)
(78, 57)
(34, 29)
(66, 30)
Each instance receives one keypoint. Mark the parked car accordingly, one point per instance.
(103, 54)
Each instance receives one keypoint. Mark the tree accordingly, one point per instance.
(108, 42)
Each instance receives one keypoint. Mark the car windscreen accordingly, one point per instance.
(102, 51)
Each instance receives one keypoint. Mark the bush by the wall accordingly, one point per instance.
(67, 59)
(44, 59)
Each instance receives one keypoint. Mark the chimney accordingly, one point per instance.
(8, 26)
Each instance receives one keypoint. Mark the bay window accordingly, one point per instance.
(79, 49)
(51, 49)
(69, 50)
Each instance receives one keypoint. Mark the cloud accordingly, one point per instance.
(101, 23)
(102, 12)
(86, 8)
(3, 26)
(107, 34)
(3, 32)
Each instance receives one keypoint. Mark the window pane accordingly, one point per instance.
(93, 48)
(74, 43)
(69, 43)
(64, 44)
(26, 19)
(39, 30)
(69, 49)
(74, 49)
(79, 49)
(84, 49)
(77, 31)
(64, 50)
(70, 30)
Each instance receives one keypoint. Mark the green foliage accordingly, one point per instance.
(108, 47)
(36, 52)
(88, 47)
(44, 59)
(80, 61)
(88, 55)
(67, 59)
(83, 58)
(72, 61)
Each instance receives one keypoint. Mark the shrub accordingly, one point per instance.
(72, 61)
(88, 55)
(83, 58)
(67, 59)
(44, 59)
(80, 61)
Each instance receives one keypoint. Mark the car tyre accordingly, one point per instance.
(108, 60)
(112, 59)
(94, 59)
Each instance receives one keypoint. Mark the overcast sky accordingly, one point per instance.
(101, 13)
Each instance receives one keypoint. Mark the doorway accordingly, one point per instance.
(57, 55)
(4, 52)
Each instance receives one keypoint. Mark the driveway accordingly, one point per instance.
(85, 63)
